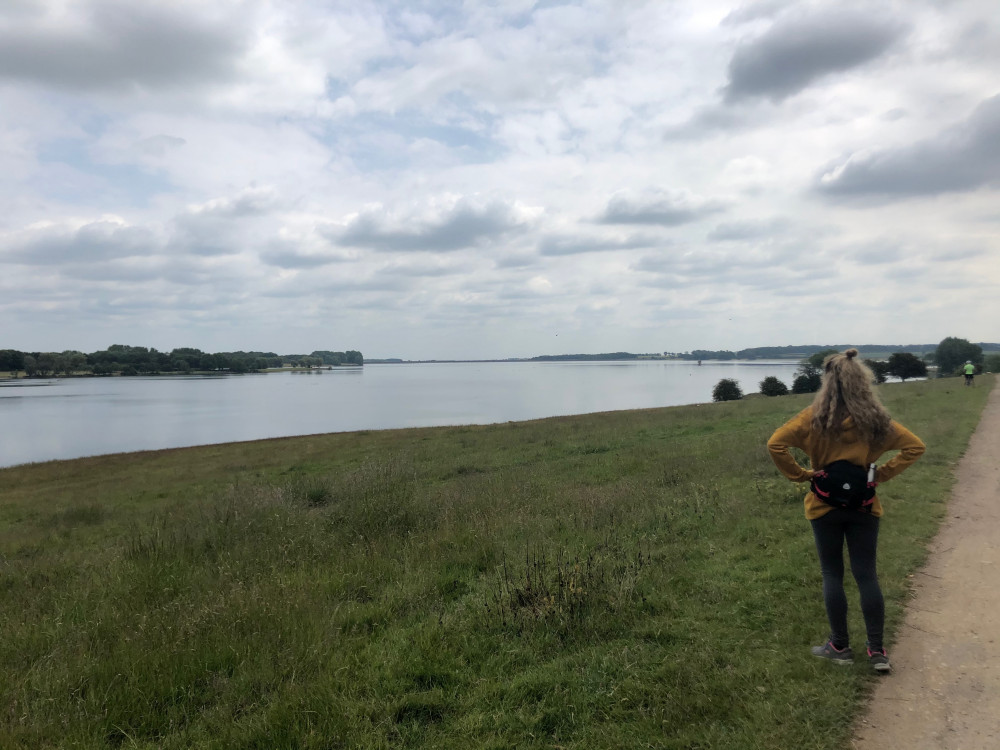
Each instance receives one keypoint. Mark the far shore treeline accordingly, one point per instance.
(119, 359)
(802, 352)
(961, 348)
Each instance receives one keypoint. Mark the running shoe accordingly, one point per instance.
(879, 660)
(831, 653)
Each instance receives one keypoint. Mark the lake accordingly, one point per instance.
(41, 420)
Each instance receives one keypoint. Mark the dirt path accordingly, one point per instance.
(944, 692)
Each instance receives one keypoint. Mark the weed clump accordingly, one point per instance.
(561, 590)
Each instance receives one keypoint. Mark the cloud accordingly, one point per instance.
(291, 258)
(754, 11)
(304, 250)
(539, 285)
(707, 120)
(223, 226)
(657, 207)
(573, 244)
(909, 251)
(750, 229)
(253, 201)
(958, 254)
(159, 145)
(157, 279)
(121, 45)
(766, 267)
(722, 272)
(516, 259)
(963, 157)
(89, 243)
(428, 268)
(516, 55)
(465, 224)
(800, 49)
(879, 251)
(374, 281)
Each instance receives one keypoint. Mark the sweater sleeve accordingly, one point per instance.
(792, 434)
(910, 448)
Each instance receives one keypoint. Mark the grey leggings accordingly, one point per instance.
(860, 530)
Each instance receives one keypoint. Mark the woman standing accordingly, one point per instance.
(846, 423)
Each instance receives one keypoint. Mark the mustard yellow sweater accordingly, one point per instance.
(797, 433)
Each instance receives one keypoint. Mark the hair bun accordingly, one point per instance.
(851, 353)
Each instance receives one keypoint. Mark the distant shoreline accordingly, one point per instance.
(794, 353)
(174, 373)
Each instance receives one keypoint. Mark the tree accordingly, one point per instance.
(727, 390)
(11, 360)
(772, 386)
(992, 363)
(74, 362)
(807, 378)
(329, 358)
(904, 365)
(816, 360)
(879, 369)
(190, 356)
(953, 352)
(723, 354)
(46, 364)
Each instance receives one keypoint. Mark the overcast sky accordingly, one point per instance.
(497, 179)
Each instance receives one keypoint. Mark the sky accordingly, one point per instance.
(497, 179)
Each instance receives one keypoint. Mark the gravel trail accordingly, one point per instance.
(944, 691)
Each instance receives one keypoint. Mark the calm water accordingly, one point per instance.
(68, 418)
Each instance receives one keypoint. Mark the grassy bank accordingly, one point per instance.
(629, 579)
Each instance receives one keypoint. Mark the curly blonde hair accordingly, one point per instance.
(847, 391)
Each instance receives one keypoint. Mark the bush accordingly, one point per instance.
(727, 390)
(879, 368)
(807, 382)
(807, 378)
(905, 365)
(771, 386)
(992, 363)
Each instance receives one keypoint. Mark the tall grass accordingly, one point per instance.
(629, 579)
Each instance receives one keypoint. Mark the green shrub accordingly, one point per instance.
(808, 378)
(806, 383)
(727, 390)
(772, 386)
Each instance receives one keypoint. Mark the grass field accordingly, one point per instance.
(619, 580)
